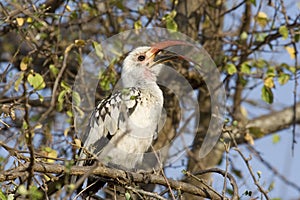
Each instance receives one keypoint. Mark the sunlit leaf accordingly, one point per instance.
(262, 19)
(171, 25)
(231, 69)
(276, 138)
(18, 81)
(283, 30)
(35, 193)
(291, 51)
(2, 196)
(65, 85)
(253, 2)
(22, 190)
(271, 187)
(61, 99)
(259, 174)
(283, 78)
(79, 43)
(244, 111)
(138, 24)
(271, 72)
(260, 37)
(36, 81)
(170, 22)
(76, 98)
(68, 8)
(269, 82)
(20, 21)
(245, 68)
(98, 49)
(244, 35)
(66, 131)
(127, 196)
(249, 138)
(29, 20)
(77, 143)
(267, 94)
(53, 70)
(25, 62)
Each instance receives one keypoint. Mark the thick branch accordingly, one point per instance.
(115, 175)
(276, 121)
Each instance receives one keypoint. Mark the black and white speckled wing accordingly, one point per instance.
(109, 117)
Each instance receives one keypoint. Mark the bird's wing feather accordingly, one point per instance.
(109, 116)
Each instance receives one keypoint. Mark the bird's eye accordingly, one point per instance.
(141, 58)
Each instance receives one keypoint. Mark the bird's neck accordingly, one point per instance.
(145, 82)
(141, 79)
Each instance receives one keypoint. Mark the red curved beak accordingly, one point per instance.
(157, 47)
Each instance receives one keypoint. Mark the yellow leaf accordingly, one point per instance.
(77, 143)
(29, 20)
(262, 19)
(52, 154)
(248, 137)
(20, 21)
(68, 8)
(291, 52)
(244, 111)
(38, 126)
(25, 62)
(66, 131)
(269, 82)
(80, 42)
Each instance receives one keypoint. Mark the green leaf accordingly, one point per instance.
(22, 190)
(76, 98)
(284, 31)
(271, 72)
(138, 24)
(18, 81)
(65, 85)
(267, 94)
(259, 174)
(171, 25)
(170, 22)
(231, 69)
(2, 196)
(262, 19)
(98, 49)
(253, 2)
(25, 62)
(276, 138)
(256, 131)
(127, 196)
(53, 70)
(291, 51)
(244, 35)
(34, 192)
(41, 97)
(36, 81)
(246, 68)
(271, 186)
(61, 99)
(297, 37)
(260, 37)
(283, 78)
(269, 82)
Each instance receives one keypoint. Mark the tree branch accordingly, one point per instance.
(112, 175)
(276, 121)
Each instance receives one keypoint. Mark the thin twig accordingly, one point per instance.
(140, 191)
(56, 83)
